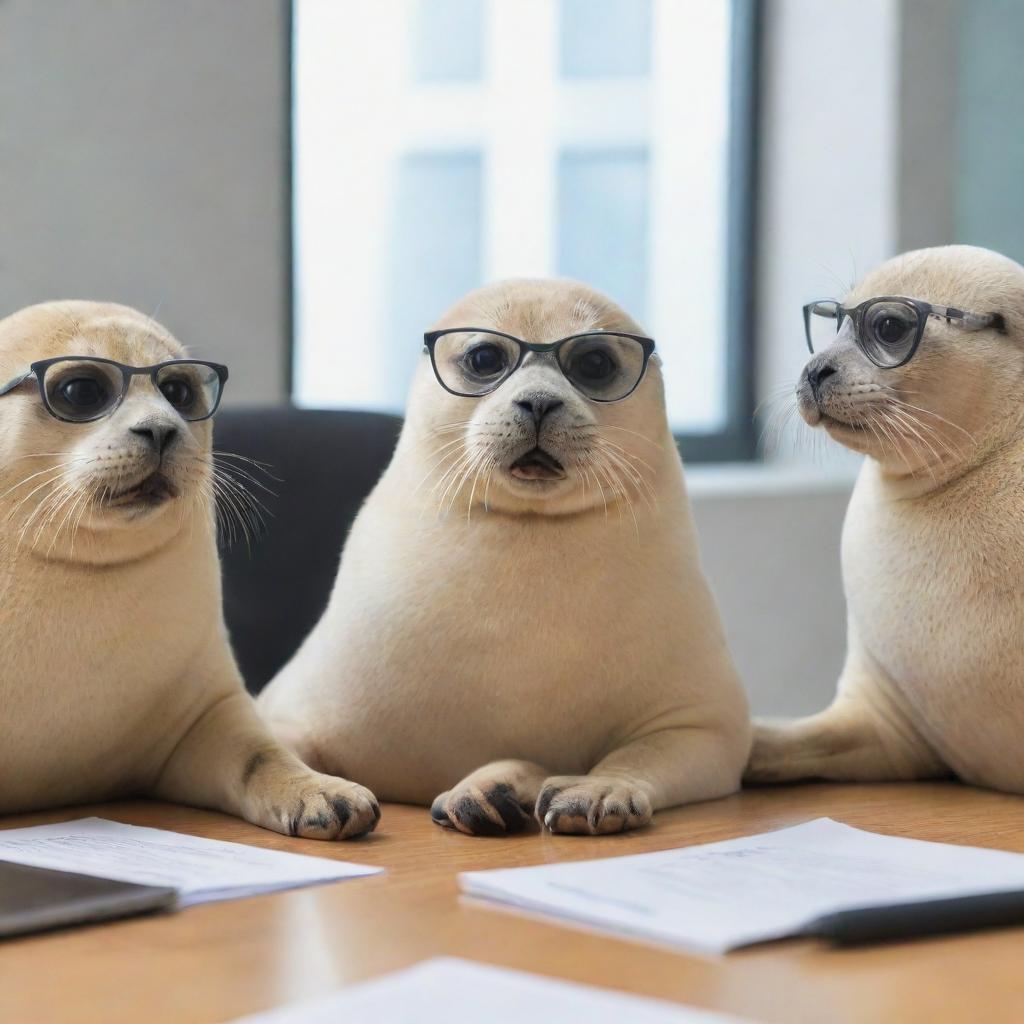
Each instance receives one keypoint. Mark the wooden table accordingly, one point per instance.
(215, 962)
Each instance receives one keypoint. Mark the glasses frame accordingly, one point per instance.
(37, 371)
(967, 321)
(431, 338)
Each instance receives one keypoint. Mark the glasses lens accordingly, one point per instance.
(80, 390)
(474, 362)
(605, 367)
(821, 320)
(888, 331)
(192, 389)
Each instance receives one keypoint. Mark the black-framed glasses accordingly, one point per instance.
(888, 328)
(80, 389)
(604, 366)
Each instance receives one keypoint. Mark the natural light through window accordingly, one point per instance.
(440, 144)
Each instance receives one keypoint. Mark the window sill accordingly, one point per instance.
(760, 479)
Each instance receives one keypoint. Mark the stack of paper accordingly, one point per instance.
(202, 870)
(720, 896)
(449, 991)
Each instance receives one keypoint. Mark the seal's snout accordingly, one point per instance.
(813, 389)
(537, 406)
(817, 373)
(157, 435)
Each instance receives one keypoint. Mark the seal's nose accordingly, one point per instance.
(160, 436)
(817, 374)
(538, 406)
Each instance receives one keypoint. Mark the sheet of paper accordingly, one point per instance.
(720, 896)
(451, 991)
(201, 870)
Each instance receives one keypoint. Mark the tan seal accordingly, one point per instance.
(116, 676)
(520, 624)
(931, 390)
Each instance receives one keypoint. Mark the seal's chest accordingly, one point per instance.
(937, 601)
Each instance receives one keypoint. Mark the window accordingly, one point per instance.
(440, 144)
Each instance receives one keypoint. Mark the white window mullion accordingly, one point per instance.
(520, 147)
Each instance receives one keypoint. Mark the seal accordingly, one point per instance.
(924, 377)
(116, 675)
(520, 625)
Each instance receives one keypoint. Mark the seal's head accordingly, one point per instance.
(936, 409)
(131, 474)
(563, 430)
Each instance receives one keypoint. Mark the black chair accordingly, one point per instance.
(326, 463)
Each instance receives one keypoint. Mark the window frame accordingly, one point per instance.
(736, 441)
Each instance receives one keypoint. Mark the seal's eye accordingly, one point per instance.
(486, 360)
(178, 392)
(891, 329)
(83, 393)
(594, 366)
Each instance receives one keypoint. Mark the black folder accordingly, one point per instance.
(38, 899)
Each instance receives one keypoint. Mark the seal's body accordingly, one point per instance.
(116, 676)
(551, 625)
(933, 544)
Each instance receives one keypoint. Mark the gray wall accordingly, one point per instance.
(144, 159)
(772, 559)
(989, 185)
(927, 108)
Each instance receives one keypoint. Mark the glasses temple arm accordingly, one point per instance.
(971, 321)
(17, 382)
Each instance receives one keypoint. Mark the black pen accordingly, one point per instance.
(919, 919)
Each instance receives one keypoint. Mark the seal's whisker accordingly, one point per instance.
(239, 504)
(642, 486)
(602, 469)
(928, 412)
(437, 452)
(49, 505)
(624, 496)
(627, 454)
(53, 498)
(444, 428)
(781, 409)
(916, 426)
(436, 466)
(485, 458)
(263, 467)
(452, 472)
(588, 475)
(635, 433)
(464, 465)
(773, 394)
(890, 426)
(463, 479)
(42, 455)
(620, 454)
(84, 511)
(54, 481)
(246, 472)
(234, 515)
(81, 501)
(33, 476)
